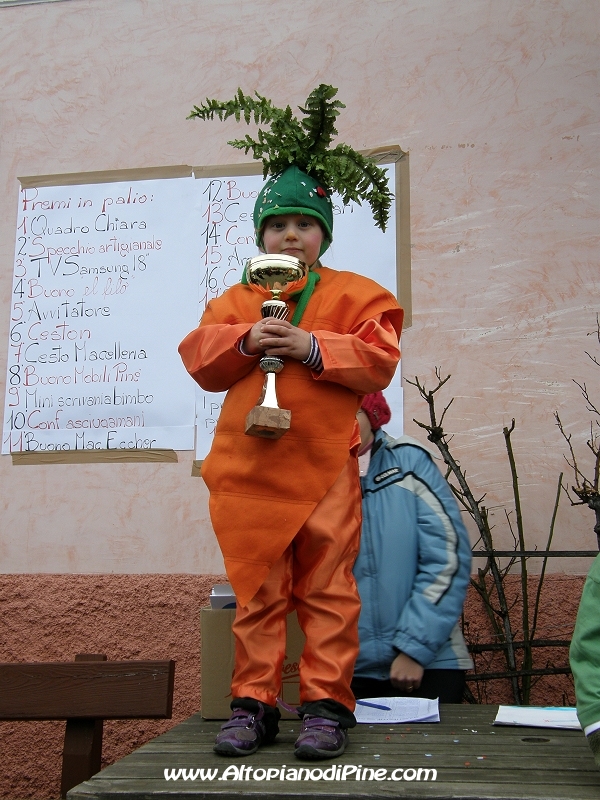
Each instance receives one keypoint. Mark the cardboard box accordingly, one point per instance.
(217, 659)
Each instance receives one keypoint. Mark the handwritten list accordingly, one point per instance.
(104, 289)
(108, 278)
(228, 240)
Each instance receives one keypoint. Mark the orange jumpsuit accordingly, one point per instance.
(287, 512)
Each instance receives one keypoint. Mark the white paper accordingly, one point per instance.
(228, 240)
(401, 709)
(564, 717)
(359, 246)
(208, 408)
(104, 289)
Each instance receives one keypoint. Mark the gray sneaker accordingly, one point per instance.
(320, 738)
(242, 734)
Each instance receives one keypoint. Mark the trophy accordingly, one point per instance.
(275, 277)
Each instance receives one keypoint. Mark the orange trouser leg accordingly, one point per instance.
(260, 635)
(314, 575)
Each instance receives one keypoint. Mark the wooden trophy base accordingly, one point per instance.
(268, 423)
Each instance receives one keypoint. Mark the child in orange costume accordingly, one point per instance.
(287, 512)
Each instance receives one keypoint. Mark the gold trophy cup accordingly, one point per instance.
(276, 277)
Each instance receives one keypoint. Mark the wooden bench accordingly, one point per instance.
(84, 693)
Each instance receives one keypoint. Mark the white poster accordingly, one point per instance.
(105, 287)
(228, 241)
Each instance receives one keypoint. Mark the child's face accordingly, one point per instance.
(293, 235)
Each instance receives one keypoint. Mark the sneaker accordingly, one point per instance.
(320, 738)
(242, 734)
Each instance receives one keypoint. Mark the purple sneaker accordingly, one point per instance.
(320, 738)
(243, 734)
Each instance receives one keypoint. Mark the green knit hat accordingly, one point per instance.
(294, 192)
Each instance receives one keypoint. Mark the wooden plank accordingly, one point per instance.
(496, 771)
(97, 690)
(100, 789)
(106, 176)
(82, 749)
(473, 761)
(115, 456)
(82, 752)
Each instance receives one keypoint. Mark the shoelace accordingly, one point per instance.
(286, 706)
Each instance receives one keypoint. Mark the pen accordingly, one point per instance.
(373, 705)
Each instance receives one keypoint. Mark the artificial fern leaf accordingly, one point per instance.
(306, 143)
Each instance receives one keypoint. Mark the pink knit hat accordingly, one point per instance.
(377, 410)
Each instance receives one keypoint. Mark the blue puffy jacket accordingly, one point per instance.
(414, 562)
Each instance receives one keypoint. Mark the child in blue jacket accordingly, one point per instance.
(412, 570)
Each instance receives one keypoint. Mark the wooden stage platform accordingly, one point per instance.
(472, 759)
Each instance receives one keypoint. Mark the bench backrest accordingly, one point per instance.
(87, 689)
(85, 693)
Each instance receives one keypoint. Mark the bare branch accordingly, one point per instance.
(444, 411)
(478, 512)
(584, 391)
(536, 606)
(573, 462)
(593, 358)
(585, 489)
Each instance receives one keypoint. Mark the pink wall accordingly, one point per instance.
(496, 103)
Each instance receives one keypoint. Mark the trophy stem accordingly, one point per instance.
(270, 398)
(274, 308)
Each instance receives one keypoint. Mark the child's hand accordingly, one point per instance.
(405, 673)
(251, 342)
(281, 338)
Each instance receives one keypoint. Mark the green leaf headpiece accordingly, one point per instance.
(297, 154)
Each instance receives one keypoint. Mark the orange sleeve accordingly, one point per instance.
(211, 356)
(364, 359)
